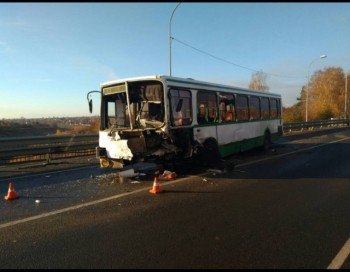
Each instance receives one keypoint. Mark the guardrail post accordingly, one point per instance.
(48, 156)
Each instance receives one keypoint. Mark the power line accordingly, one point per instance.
(215, 57)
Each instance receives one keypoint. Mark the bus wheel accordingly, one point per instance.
(211, 155)
(228, 166)
(267, 142)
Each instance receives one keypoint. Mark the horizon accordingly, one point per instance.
(50, 117)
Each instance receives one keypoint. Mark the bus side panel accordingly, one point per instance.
(239, 137)
(202, 133)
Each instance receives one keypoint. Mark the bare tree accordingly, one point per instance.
(258, 81)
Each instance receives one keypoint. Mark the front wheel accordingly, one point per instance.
(267, 142)
(210, 155)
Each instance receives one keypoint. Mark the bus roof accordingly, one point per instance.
(178, 81)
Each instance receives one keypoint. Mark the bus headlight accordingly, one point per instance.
(104, 163)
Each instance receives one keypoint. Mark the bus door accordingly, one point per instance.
(207, 117)
(226, 130)
(181, 118)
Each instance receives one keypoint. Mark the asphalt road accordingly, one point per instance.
(285, 209)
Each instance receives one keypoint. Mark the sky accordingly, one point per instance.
(53, 54)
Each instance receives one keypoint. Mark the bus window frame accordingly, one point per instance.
(180, 116)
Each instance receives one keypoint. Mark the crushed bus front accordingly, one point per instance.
(134, 124)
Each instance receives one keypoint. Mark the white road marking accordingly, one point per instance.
(341, 256)
(32, 218)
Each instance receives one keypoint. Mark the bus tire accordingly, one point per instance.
(228, 166)
(267, 142)
(211, 156)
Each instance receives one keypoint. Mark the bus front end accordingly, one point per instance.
(133, 124)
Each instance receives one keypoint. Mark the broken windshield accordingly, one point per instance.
(140, 105)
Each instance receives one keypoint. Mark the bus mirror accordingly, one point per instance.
(90, 100)
(90, 105)
(179, 105)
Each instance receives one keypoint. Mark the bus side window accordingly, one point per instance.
(181, 110)
(212, 114)
(229, 115)
(226, 107)
(222, 110)
(265, 111)
(254, 108)
(242, 107)
(207, 107)
(274, 108)
(201, 116)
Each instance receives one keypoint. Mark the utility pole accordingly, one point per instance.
(170, 37)
(308, 82)
(346, 93)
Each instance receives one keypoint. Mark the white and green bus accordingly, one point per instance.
(164, 118)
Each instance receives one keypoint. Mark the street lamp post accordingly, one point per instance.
(308, 79)
(346, 93)
(171, 37)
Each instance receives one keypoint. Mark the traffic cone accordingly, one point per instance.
(11, 193)
(155, 189)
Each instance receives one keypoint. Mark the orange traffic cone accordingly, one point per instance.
(11, 193)
(155, 189)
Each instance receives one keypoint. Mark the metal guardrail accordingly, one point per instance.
(26, 149)
(300, 126)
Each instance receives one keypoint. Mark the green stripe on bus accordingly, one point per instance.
(244, 145)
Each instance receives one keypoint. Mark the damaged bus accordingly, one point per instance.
(162, 119)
